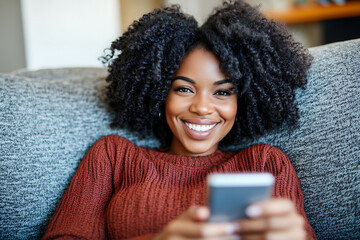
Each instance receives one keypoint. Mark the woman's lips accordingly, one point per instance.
(199, 128)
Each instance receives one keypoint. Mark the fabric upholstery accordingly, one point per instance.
(50, 118)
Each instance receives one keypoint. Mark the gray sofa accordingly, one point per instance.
(50, 118)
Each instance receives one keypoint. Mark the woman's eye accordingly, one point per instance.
(223, 93)
(182, 89)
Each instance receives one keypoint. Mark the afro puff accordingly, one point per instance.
(259, 56)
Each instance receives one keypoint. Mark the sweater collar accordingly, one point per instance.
(199, 162)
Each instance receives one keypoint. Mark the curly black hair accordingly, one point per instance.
(259, 56)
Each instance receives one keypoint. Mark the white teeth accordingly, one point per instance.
(200, 128)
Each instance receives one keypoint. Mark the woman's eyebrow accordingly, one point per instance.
(222, 82)
(192, 81)
(184, 78)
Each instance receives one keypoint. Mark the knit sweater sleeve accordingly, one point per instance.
(287, 183)
(82, 210)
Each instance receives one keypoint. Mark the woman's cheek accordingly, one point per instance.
(228, 110)
(175, 105)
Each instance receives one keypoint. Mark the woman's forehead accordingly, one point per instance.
(200, 63)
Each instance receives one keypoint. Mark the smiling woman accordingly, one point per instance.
(201, 105)
(194, 88)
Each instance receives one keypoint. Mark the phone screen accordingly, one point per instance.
(230, 194)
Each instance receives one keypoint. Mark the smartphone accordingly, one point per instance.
(230, 193)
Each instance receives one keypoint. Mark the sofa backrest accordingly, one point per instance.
(50, 118)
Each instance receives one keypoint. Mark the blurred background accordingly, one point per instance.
(37, 34)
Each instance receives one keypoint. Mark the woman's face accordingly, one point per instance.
(201, 105)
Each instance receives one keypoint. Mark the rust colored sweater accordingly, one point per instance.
(122, 191)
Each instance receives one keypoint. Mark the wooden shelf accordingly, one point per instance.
(315, 12)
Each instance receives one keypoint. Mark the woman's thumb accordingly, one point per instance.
(197, 213)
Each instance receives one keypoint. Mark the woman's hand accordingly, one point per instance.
(192, 225)
(272, 219)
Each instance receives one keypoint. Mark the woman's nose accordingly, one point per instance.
(202, 105)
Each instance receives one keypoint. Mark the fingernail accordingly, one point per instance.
(202, 212)
(253, 211)
(233, 228)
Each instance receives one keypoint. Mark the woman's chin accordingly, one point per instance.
(200, 149)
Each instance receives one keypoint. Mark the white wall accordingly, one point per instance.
(200, 9)
(12, 53)
(68, 33)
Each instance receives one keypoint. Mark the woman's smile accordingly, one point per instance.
(199, 128)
